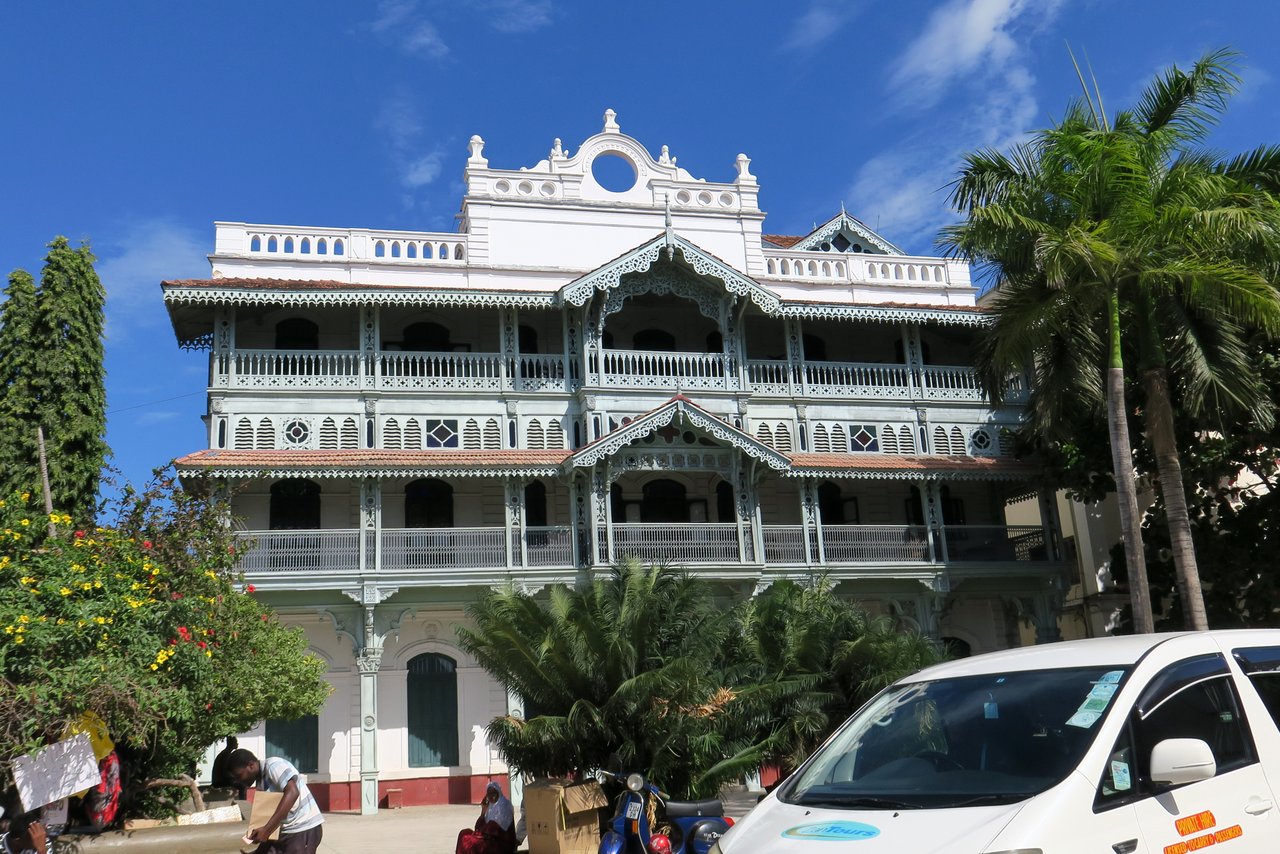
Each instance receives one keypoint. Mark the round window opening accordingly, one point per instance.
(613, 172)
(297, 432)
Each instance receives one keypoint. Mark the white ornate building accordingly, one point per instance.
(578, 374)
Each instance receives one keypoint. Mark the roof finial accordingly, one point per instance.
(610, 126)
(842, 211)
(557, 152)
(744, 170)
(477, 157)
(665, 157)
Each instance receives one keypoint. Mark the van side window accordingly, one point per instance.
(1195, 698)
(1262, 666)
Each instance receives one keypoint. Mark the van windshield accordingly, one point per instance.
(960, 742)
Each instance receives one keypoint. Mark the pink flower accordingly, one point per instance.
(79, 535)
(146, 544)
(250, 589)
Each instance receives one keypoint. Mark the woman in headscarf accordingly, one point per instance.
(495, 829)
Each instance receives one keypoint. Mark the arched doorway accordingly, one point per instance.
(295, 505)
(432, 697)
(428, 504)
(664, 500)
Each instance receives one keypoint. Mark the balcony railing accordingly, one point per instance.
(330, 552)
(995, 542)
(875, 543)
(299, 553)
(698, 542)
(425, 371)
(657, 369)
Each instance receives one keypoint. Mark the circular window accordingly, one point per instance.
(613, 172)
(296, 432)
(981, 440)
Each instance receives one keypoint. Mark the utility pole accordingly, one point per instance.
(44, 480)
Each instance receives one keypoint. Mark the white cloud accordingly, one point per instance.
(400, 23)
(967, 51)
(820, 22)
(401, 120)
(516, 16)
(133, 262)
(966, 37)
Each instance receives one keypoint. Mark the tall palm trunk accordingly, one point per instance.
(1122, 462)
(1164, 444)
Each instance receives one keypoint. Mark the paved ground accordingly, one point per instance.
(424, 830)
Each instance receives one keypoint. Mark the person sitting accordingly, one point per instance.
(494, 831)
(220, 774)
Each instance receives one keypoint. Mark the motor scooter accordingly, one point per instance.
(694, 825)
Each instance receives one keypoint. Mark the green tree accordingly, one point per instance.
(17, 398)
(827, 656)
(70, 376)
(1100, 225)
(51, 364)
(143, 622)
(624, 668)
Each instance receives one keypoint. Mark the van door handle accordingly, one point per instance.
(1126, 847)
(1258, 807)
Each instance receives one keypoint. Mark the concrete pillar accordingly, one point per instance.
(369, 661)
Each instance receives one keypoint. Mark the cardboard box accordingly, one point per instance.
(563, 817)
(264, 806)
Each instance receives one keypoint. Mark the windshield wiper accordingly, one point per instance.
(855, 801)
(1006, 798)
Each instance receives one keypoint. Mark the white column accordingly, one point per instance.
(368, 661)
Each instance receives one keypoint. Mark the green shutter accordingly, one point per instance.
(433, 711)
(296, 740)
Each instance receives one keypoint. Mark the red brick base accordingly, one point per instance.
(416, 792)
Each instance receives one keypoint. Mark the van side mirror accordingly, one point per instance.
(1176, 761)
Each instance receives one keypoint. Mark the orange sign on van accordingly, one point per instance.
(1195, 823)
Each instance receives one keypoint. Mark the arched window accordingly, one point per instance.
(528, 339)
(428, 504)
(715, 342)
(724, 503)
(297, 333)
(654, 339)
(295, 505)
(664, 501)
(815, 349)
(433, 711)
(426, 337)
(535, 505)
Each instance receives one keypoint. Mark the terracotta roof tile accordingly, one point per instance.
(919, 462)
(786, 241)
(296, 285)
(368, 459)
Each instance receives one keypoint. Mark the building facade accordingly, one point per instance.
(587, 370)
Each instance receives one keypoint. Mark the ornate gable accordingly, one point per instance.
(679, 410)
(644, 256)
(843, 227)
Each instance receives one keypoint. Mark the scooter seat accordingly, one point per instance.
(691, 809)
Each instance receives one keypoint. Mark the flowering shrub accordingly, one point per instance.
(144, 622)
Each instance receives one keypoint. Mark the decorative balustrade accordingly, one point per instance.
(289, 369)
(659, 369)
(950, 383)
(995, 542)
(856, 267)
(771, 376)
(470, 371)
(312, 552)
(548, 546)
(341, 244)
(408, 549)
(854, 379)
(784, 544)
(539, 373)
(697, 542)
(875, 543)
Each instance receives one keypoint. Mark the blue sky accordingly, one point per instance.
(136, 125)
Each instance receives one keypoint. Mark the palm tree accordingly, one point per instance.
(1099, 225)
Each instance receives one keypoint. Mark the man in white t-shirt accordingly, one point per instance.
(297, 816)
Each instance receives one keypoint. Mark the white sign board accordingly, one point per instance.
(58, 771)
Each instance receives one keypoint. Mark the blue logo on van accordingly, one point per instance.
(848, 831)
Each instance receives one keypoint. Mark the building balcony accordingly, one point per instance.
(630, 369)
(466, 556)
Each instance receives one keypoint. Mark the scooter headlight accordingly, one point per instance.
(635, 782)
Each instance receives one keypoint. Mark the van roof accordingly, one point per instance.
(1121, 651)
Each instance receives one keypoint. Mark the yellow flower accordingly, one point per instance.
(102, 621)
(19, 639)
(26, 496)
(155, 667)
(24, 522)
(24, 619)
(88, 585)
(208, 653)
(64, 591)
(61, 621)
(27, 579)
(8, 630)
